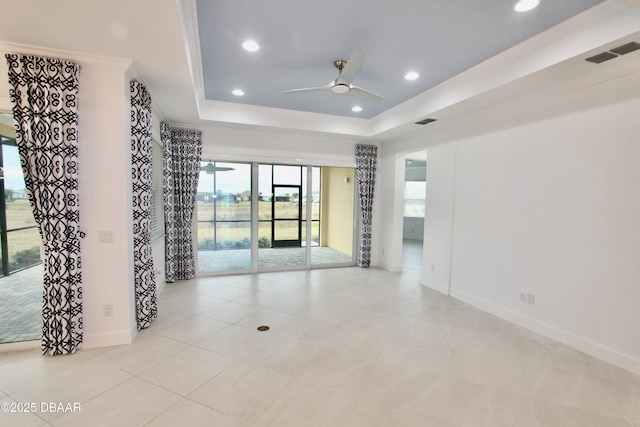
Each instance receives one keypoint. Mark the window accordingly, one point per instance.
(157, 201)
(224, 217)
(415, 193)
(19, 236)
(288, 202)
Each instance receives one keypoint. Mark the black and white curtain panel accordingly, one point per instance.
(366, 160)
(182, 153)
(44, 94)
(141, 163)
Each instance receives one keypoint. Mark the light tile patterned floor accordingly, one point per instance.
(347, 347)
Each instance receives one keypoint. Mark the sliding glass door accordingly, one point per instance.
(224, 217)
(283, 185)
(21, 280)
(335, 244)
(303, 216)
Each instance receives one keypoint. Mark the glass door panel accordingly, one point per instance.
(305, 217)
(336, 212)
(287, 216)
(224, 217)
(20, 263)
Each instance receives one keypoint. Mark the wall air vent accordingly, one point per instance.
(601, 57)
(425, 121)
(626, 48)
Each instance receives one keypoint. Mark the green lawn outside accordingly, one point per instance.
(230, 234)
(23, 245)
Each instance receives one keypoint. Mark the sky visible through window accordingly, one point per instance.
(12, 171)
(238, 179)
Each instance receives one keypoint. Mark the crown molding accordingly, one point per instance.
(84, 59)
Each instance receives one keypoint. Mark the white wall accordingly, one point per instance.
(549, 208)
(105, 202)
(438, 221)
(552, 209)
(390, 196)
(268, 145)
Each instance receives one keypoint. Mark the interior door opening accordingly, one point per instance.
(414, 211)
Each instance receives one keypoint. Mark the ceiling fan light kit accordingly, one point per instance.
(340, 88)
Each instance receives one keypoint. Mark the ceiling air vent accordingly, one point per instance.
(614, 53)
(601, 57)
(626, 48)
(425, 121)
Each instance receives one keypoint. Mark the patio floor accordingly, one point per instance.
(21, 305)
(268, 258)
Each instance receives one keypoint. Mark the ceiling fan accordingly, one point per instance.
(210, 169)
(342, 85)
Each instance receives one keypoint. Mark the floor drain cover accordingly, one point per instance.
(263, 328)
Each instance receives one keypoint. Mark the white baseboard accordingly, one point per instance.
(89, 341)
(10, 347)
(436, 286)
(584, 345)
(391, 268)
(108, 339)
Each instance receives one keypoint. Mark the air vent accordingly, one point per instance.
(614, 53)
(425, 121)
(601, 57)
(626, 48)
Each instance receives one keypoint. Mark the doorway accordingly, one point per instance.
(414, 210)
(286, 214)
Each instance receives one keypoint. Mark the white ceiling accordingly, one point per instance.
(191, 61)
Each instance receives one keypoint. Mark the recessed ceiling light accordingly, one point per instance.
(356, 109)
(411, 75)
(526, 5)
(237, 92)
(250, 46)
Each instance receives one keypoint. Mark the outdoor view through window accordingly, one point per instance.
(20, 264)
(290, 218)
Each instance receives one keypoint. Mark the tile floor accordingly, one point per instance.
(347, 347)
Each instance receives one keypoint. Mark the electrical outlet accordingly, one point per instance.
(531, 299)
(105, 236)
(527, 298)
(108, 310)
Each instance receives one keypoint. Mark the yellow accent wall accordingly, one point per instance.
(336, 212)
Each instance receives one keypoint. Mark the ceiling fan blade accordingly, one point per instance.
(358, 92)
(310, 89)
(353, 65)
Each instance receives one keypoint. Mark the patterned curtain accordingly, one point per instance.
(141, 162)
(182, 153)
(44, 94)
(366, 159)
